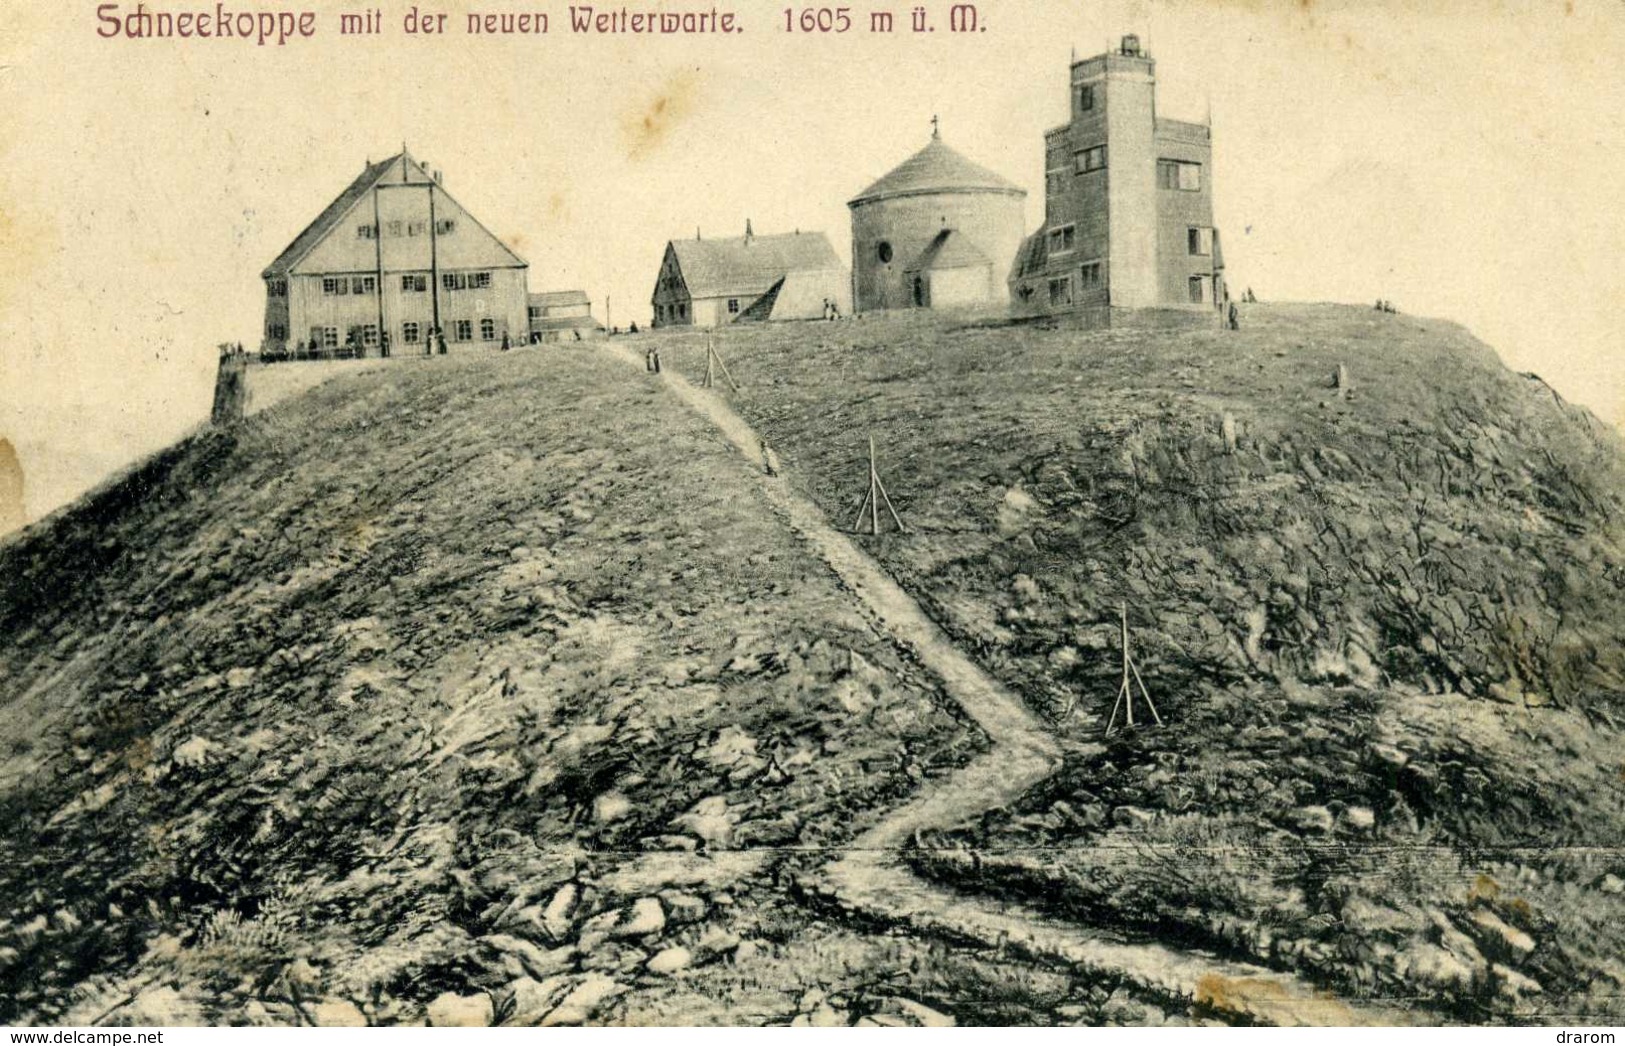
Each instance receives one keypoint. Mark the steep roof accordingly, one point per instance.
(558, 299)
(934, 169)
(948, 251)
(1032, 257)
(354, 193)
(749, 265)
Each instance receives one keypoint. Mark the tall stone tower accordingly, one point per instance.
(1128, 205)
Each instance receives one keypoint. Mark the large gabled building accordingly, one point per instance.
(1128, 201)
(711, 283)
(391, 260)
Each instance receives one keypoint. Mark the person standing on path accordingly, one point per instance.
(770, 460)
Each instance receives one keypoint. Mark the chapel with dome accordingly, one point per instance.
(938, 231)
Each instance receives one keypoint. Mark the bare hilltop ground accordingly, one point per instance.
(497, 689)
(1383, 623)
(481, 680)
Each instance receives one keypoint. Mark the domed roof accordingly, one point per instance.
(935, 169)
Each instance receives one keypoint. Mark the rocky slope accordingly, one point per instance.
(471, 690)
(492, 690)
(1374, 585)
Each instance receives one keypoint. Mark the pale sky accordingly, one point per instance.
(1460, 159)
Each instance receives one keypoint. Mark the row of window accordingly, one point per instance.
(1198, 240)
(416, 282)
(276, 288)
(465, 281)
(1091, 276)
(679, 311)
(1183, 175)
(369, 231)
(328, 337)
(333, 285)
(461, 330)
(412, 333)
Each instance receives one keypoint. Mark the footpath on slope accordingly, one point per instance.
(868, 877)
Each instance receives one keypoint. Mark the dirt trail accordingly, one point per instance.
(868, 877)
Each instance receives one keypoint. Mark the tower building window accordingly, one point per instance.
(1091, 160)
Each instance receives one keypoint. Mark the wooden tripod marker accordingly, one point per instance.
(873, 498)
(1125, 694)
(713, 361)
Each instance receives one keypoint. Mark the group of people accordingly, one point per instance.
(832, 309)
(354, 348)
(1384, 305)
(651, 360)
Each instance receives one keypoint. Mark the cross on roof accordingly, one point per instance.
(936, 131)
